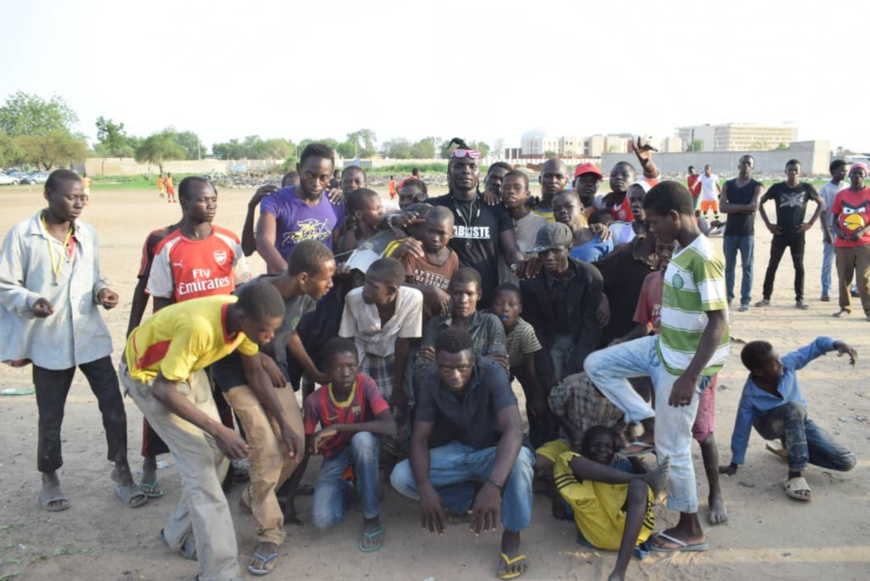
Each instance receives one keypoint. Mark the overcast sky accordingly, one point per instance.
(478, 69)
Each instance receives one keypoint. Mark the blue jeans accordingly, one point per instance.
(746, 246)
(609, 370)
(561, 352)
(331, 492)
(453, 470)
(827, 264)
(805, 442)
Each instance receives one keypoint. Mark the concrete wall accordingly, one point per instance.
(125, 166)
(815, 156)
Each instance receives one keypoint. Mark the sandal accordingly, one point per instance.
(797, 488)
(266, 568)
(131, 495)
(54, 494)
(371, 537)
(507, 562)
(680, 545)
(151, 489)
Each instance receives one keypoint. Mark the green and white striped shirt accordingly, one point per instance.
(694, 285)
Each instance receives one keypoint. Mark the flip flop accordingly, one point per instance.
(150, 489)
(268, 564)
(635, 449)
(794, 486)
(371, 536)
(53, 494)
(682, 546)
(131, 495)
(507, 563)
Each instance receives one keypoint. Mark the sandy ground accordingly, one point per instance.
(767, 537)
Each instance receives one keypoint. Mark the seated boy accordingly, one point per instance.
(351, 413)
(431, 273)
(613, 507)
(468, 434)
(382, 317)
(772, 402)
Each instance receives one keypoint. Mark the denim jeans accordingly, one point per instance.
(805, 442)
(796, 242)
(746, 246)
(331, 492)
(453, 470)
(561, 352)
(609, 370)
(827, 264)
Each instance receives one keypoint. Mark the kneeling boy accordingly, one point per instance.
(772, 402)
(351, 413)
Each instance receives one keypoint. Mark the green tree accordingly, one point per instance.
(190, 143)
(359, 144)
(424, 149)
(113, 140)
(483, 147)
(29, 114)
(782, 146)
(11, 150)
(231, 149)
(549, 153)
(159, 148)
(398, 148)
(54, 148)
(696, 145)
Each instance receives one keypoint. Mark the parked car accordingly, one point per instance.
(19, 175)
(7, 180)
(37, 177)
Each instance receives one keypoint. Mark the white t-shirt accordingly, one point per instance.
(708, 187)
(828, 192)
(362, 322)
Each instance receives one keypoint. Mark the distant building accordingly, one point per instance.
(672, 144)
(739, 136)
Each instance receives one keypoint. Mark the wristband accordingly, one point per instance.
(494, 483)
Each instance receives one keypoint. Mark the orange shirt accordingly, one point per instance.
(168, 181)
(160, 182)
(185, 269)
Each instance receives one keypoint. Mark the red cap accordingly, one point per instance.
(588, 168)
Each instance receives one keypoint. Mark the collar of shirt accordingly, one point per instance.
(569, 274)
(35, 228)
(447, 322)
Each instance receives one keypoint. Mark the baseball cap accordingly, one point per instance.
(550, 235)
(588, 168)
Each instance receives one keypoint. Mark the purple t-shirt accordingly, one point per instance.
(297, 221)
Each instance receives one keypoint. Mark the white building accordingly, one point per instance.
(739, 136)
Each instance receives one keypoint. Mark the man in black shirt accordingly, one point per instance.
(470, 401)
(791, 198)
(739, 200)
(482, 234)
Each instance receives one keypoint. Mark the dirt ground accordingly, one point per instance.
(767, 537)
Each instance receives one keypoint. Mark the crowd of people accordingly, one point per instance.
(404, 330)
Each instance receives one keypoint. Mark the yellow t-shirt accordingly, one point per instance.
(168, 181)
(183, 338)
(86, 183)
(599, 508)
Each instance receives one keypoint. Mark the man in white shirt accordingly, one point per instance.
(710, 191)
(828, 192)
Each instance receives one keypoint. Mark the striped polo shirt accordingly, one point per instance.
(694, 284)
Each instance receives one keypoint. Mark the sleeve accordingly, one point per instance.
(709, 278)
(801, 358)
(340, 212)
(185, 349)
(160, 280)
(407, 261)
(559, 395)
(837, 206)
(241, 272)
(643, 311)
(248, 347)
(269, 205)
(495, 332)
(742, 430)
(374, 399)
(412, 325)
(348, 320)
(430, 334)
(497, 379)
(504, 219)
(147, 257)
(14, 296)
(311, 413)
(427, 409)
(530, 343)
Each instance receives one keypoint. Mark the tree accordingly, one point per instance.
(362, 142)
(11, 150)
(28, 114)
(424, 149)
(696, 145)
(549, 153)
(159, 148)
(231, 149)
(190, 143)
(113, 140)
(782, 146)
(398, 148)
(483, 147)
(53, 148)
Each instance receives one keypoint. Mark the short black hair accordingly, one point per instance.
(439, 214)
(415, 172)
(515, 173)
(465, 275)
(599, 216)
(744, 156)
(625, 164)
(290, 176)
(416, 182)
(666, 196)
(308, 256)
(837, 164)
(260, 301)
(500, 165)
(317, 150)
(454, 341)
(792, 162)
(389, 271)
(351, 168)
(185, 188)
(508, 287)
(754, 353)
(55, 178)
(335, 346)
(691, 168)
(569, 192)
(594, 432)
(708, 165)
(358, 198)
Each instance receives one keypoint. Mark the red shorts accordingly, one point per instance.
(706, 416)
(170, 190)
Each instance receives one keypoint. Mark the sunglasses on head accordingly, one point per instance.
(472, 153)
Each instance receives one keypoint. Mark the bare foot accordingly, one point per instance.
(658, 479)
(718, 513)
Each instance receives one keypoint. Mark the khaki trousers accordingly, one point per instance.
(203, 508)
(851, 259)
(271, 465)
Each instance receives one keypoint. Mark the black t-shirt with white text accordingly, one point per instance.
(791, 204)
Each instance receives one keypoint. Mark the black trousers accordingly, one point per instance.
(796, 242)
(52, 387)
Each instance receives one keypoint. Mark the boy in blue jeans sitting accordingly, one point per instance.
(351, 413)
(772, 402)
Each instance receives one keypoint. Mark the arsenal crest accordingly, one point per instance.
(220, 256)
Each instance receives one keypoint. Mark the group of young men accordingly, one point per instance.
(414, 335)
